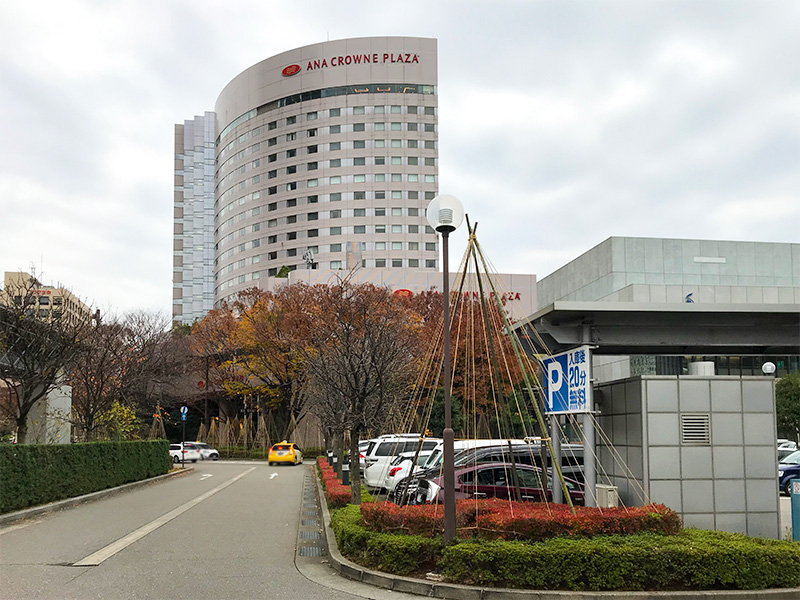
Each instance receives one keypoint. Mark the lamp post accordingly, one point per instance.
(445, 214)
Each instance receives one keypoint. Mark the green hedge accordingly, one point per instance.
(38, 474)
(690, 560)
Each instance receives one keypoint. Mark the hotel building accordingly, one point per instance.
(324, 158)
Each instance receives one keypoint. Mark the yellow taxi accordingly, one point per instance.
(285, 452)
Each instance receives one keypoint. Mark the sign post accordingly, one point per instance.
(183, 444)
(568, 384)
(794, 490)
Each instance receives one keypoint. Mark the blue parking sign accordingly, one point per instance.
(567, 382)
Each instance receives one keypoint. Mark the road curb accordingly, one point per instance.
(431, 589)
(27, 513)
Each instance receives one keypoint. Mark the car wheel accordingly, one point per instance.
(175, 460)
(787, 488)
(195, 460)
(215, 457)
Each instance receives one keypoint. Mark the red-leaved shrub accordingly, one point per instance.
(336, 494)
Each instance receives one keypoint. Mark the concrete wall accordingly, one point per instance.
(727, 484)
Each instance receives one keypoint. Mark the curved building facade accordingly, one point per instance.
(326, 158)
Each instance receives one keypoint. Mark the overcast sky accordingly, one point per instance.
(561, 123)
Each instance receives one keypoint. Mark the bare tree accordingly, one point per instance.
(361, 359)
(34, 351)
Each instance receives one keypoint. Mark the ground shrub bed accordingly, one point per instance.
(688, 560)
(336, 494)
(500, 519)
(37, 474)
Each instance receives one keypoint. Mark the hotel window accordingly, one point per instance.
(255, 211)
(291, 153)
(397, 143)
(292, 235)
(412, 143)
(430, 162)
(380, 177)
(429, 110)
(273, 239)
(359, 161)
(397, 126)
(397, 160)
(291, 202)
(413, 245)
(413, 160)
(380, 212)
(313, 233)
(397, 195)
(336, 197)
(272, 255)
(272, 141)
(336, 247)
(430, 246)
(412, 110)
(380, 262)
(396, 109)
(397, 177)
(430, 264)
(397, 229)
(359, 178)
(312, 199)
(380, 160)
(312, 149)
(291, 252)
(311, 132)
(412, 126)
(272, 206)
(291, 120)
(380, 126)
(380, 143)
(271, 191)
(359, 195)
(335, 180)
(336, 264)
(397, 212)
(256, 243)
(360, 229)
(380, 195)
(397, 262)
(272, 272)
(359, 144)
(312, 183)
(291, 186)
(413, 262)
(397, 245)
(291, 219)
(312, 116)
(430, 178)
(290, 137)
(335, 112)
(379, 110)
(336, 162)
(413, 178)
(336, 214)
(430, 145)
(312, 216)
(272, 125)
(241, 278)
(291, 169)
(335, 146)
(429, 127)
(380, 245)
(335, 129)
(256, 227)
(380, 228)
(312, 166)
(359, 212)
(358, 127)
(430, 195)
(336, 231)
(272, 158)
(413, 228)
(358, 110)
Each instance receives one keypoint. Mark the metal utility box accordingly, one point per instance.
(607, 496)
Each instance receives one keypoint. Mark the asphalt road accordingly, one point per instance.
(226, 530)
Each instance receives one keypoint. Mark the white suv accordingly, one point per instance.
(184, 454)
(382, 451)
(206, 451)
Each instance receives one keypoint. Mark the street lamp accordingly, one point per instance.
(445, 214)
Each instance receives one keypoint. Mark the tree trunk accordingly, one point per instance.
(355, 474)
(22, 430)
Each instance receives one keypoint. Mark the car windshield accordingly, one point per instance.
(792, 459)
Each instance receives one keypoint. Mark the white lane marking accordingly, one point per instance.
(104, 553)
(273, 476)
(18, 526)
(205, 476)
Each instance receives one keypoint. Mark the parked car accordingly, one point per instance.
(788, 469)
(400, 468)
(379, 456)
(184, 452)
(495, 480)
(206, 451)
(285, 453)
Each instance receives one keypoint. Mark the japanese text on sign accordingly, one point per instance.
(567, 382)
